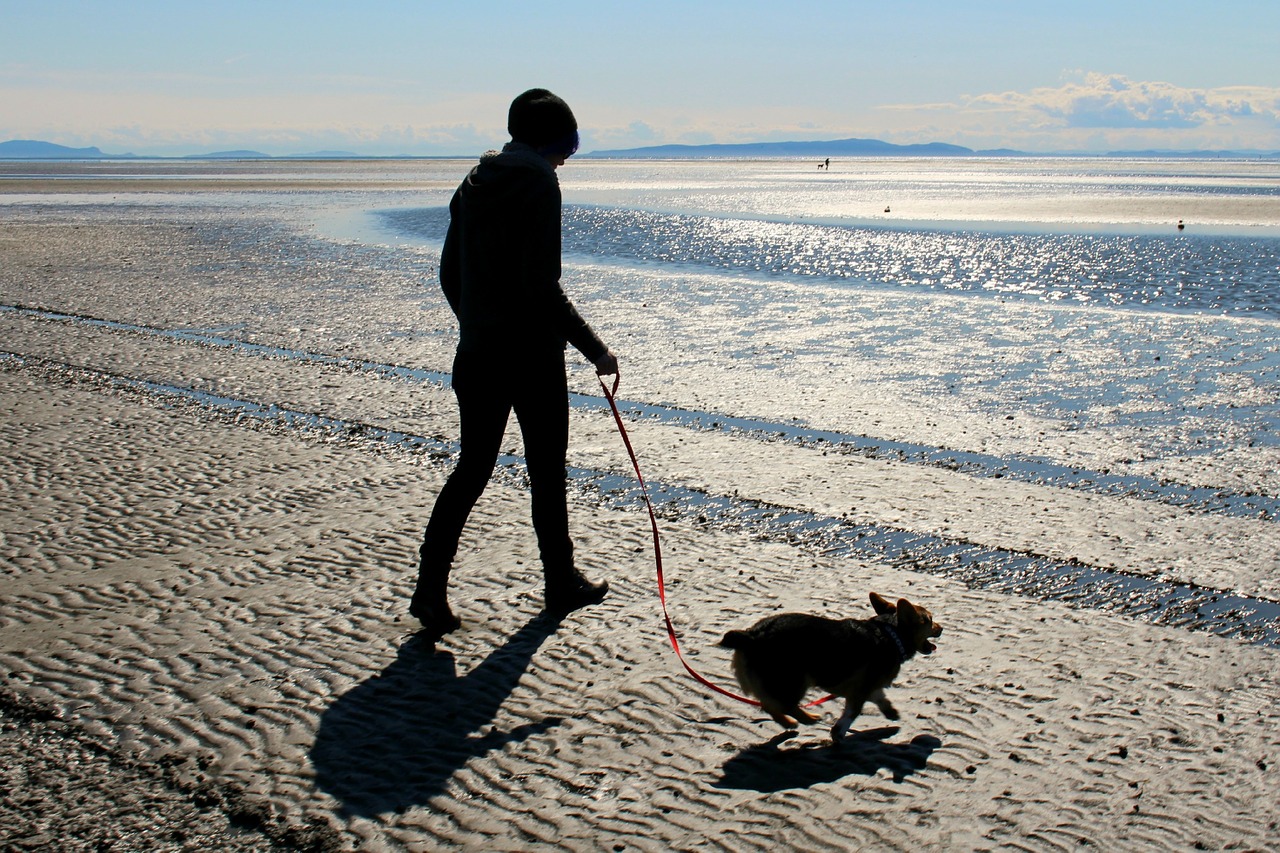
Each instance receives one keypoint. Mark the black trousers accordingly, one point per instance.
(533, 385)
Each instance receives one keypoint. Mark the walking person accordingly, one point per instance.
(500, 271)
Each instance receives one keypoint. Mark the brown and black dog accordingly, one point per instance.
(780, 657)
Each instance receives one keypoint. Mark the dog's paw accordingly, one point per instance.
(784, 721)
(890, 712)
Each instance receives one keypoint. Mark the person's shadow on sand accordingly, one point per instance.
(766, 768)
(394, 740)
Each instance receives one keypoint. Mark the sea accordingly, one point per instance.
(1108, 233)
(1136, 299)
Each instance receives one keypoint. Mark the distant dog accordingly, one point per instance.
(780, 657)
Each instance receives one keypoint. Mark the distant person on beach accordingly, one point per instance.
(500, 271)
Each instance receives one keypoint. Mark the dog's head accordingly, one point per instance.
(915, 624)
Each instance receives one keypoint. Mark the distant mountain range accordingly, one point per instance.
(820, 150)
(31, 149)
(27, 149)
(877, 148)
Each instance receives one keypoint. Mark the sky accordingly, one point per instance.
(435, 78)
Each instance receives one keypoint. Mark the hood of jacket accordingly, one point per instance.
(505, 168)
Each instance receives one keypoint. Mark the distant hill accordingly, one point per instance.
(878, 148)
(31, 149)
(819, 150)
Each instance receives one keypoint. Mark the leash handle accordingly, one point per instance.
(657, 554)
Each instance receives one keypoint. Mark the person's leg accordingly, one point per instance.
(483, 410)
(542, 408)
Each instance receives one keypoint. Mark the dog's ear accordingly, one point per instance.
(881, 605)
(907, 614)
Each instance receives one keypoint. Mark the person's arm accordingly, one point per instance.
(450, 276)
(543, 262)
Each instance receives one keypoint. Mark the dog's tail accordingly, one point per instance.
(736, 640)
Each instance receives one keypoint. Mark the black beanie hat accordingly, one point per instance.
(543, 121)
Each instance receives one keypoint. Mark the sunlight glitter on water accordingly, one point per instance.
(1236, 196)
(1222, 274)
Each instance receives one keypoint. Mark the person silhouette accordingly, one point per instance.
(500, 272)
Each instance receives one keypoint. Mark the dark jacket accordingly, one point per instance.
(500, 267)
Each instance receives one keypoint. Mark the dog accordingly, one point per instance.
(780, 657)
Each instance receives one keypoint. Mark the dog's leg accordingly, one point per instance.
(883, 703)
(841, 728)
(779, 715)
(802, 715)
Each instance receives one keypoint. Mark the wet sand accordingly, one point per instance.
(215, 603)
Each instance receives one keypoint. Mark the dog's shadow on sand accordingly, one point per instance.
(768, 768)
(394, 740)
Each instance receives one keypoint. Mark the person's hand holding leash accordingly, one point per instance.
(607, 365)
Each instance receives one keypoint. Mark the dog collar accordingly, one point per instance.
(896, 637)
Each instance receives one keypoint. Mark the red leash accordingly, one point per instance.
(657, 548)
(657, 554)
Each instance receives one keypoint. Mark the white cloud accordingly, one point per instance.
(635, 134)
(1114, 101)
(1110, 110)
(128, 114)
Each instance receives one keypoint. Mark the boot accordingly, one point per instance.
(430, 603)
(567, 590)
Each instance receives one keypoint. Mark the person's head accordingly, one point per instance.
(545, 123)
